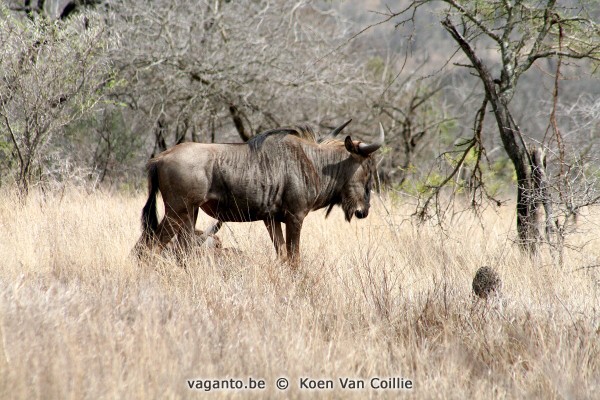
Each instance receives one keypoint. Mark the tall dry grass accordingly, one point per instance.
(374, 298)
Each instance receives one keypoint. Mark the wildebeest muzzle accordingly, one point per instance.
(361, 213)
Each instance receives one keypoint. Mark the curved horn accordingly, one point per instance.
(337, 130)
(367, 149)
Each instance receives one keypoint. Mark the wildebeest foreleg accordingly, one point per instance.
(213, 229)
(292, 240)
(209, 235)
(276, 234)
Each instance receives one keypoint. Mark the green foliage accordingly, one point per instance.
(503, 169)
(104, 142)
(376, 67)
(447, 132)
(471, 157)
(53, 75)
(433, 180)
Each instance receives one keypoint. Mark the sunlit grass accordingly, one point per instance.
(380, 297)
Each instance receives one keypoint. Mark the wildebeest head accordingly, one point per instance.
(355, 194)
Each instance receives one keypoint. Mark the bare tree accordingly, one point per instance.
(53, 9)
(52, 74)
(414, 113)
(234, 67)
(573, 183)
(214, 70)
(522, 32)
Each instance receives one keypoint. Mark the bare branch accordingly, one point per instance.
(471, 16)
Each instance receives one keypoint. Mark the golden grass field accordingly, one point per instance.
(379, 297)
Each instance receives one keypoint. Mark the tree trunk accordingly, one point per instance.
(181, 131)
(195, 136)
(239, 124)
(512, 140)
(527, 216)
(544, 198)
(542, 194)
(160, 144)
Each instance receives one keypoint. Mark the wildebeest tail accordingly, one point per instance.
(149, 215)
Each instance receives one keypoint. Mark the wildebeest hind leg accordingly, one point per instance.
(166, 230)
(186, 222)
(176, 219)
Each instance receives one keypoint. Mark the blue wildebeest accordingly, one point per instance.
(277, 177)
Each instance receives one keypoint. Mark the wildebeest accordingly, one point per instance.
(206, 240)
(277, 177)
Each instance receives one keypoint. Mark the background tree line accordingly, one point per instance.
(164, 72)
(481, 100)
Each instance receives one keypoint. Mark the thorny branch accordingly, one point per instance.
(475, 183)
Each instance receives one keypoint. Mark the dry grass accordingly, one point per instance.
(378, 297)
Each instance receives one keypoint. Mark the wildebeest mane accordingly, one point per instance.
(301, 131)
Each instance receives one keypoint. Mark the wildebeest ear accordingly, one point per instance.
(350, 146)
